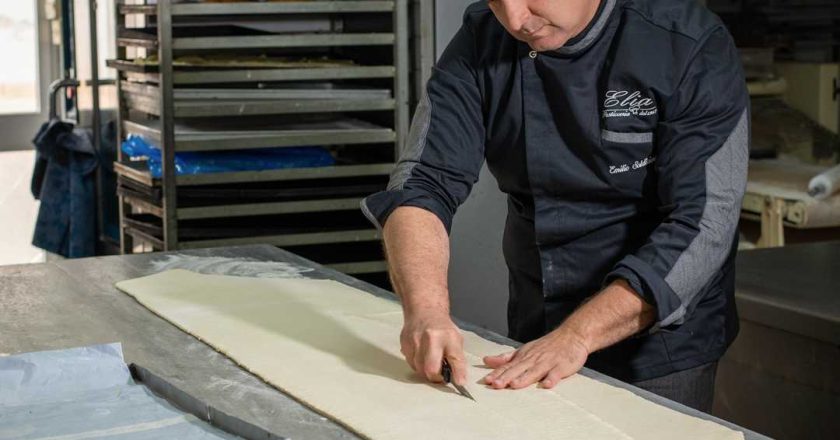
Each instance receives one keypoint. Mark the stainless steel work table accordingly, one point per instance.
(71, 303)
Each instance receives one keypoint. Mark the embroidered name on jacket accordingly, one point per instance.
(622, 104)
(623, 168)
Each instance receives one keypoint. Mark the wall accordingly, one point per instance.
(477, 274)
(810, 90)
(18, 210)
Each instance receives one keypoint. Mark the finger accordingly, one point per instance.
(515, 370)
(530, 376)
(457, 361)
(489, 378)
(431, 361)
(407, 350)
(493, 375)
(419, 359)
(420, 348)
(499, 360)
(412, 351)
(554, 377)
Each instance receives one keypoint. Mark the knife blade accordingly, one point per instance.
(446, 372)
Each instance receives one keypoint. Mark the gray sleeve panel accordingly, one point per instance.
(726, 173)
(444, 150)
(702, 143)
(415, 144)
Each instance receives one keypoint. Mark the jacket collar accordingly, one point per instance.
(593, 30)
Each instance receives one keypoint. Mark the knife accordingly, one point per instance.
(446, 372)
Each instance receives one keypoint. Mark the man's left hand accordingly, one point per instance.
(547, 360)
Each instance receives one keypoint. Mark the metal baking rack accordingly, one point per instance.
(182, 105)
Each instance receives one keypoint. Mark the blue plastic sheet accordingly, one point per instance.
(229, 161)
(85, 393)
(58, 375)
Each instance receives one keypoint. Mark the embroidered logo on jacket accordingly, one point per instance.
(622, 104)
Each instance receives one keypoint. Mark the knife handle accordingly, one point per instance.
(446, 372)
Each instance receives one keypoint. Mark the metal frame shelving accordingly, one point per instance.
(253, 8)
(139, 175)
(157, 97)
(259, 42)
(291, 239)
(192, 141)
(153, 106)
(137, 73)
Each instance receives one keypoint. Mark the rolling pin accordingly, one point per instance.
(825, 184)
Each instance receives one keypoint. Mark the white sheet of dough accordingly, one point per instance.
(336, 349)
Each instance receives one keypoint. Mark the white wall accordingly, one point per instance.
(18, 210)
(477, 274)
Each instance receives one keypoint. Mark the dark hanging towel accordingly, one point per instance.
(64, 181)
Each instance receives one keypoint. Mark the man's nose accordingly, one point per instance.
(519, 17)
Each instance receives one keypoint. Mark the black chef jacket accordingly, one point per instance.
(624, 155)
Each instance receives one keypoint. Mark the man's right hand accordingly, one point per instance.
(417, 246)
(429, 337)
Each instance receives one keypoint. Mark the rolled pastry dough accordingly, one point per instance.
(336, 349)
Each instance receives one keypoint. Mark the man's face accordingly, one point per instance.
(544, 24)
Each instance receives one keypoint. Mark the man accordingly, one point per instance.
(619, 131)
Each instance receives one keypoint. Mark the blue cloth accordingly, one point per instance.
(64, 180)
